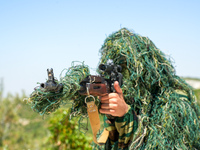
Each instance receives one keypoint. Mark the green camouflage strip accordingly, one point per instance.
(125, 127)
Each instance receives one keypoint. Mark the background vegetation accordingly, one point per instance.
(22, 128)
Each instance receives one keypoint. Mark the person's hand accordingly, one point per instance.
(114, 103)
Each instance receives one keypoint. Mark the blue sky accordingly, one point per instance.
(40, 34)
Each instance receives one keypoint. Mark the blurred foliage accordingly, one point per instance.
(197, 93)
(20, 127)
(65, 132)
(189, 78)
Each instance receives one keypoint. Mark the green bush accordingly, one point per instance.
(197, 94)
(20, 127)
(65, 132)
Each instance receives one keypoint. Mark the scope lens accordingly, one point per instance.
(102, 67)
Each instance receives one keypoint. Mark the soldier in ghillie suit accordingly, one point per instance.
(153, 109)
(161, 111)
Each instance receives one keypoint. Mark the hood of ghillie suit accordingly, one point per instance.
(165, 104)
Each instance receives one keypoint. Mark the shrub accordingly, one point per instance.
(65, 132)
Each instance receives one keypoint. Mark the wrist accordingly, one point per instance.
(126, 109)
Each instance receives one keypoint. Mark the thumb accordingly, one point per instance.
(117, 87)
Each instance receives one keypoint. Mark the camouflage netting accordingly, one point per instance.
(45, 102)
(165, 104)
(169, 115)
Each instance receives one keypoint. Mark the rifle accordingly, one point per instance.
(99, 85)
(95, 85)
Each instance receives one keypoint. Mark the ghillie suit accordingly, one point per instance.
(169, 117)
(167, 114)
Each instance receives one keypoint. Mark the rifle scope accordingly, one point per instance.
(110, 67)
